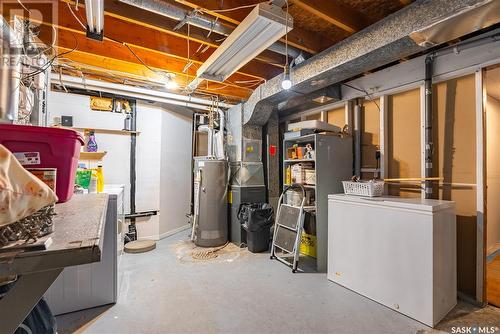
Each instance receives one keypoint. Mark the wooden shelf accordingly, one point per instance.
(98, 130)
(92, 155)
(299, 160)
(311, 186)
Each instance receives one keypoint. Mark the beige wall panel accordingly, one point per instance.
(493, 172)
(337, 117)
(370, 134)
(403, 134)
(314, 117)
(455, 161)
(492, 84)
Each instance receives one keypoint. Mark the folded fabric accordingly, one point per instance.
(21, 193)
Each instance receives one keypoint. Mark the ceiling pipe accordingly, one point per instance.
(137, 92)
(200, 20)
(382, 43)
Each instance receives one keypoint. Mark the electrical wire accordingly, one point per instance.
(229, 9)
(44, 67)
(139, 58)
(24, 7)
(169, 74)
(286, 34)
(366, 94)
(76, 17)
(188, 53)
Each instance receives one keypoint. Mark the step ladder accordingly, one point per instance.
(288, 229)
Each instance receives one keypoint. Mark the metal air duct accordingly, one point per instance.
(10, 68)
(377, 45)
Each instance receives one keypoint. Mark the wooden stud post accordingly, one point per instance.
(384, 139)
(480, 180)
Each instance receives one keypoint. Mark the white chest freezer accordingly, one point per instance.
(95, 284)
(399, 252)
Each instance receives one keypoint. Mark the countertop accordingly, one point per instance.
(77, 238)
(420, 204)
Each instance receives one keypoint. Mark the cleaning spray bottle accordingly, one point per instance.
(91, 144)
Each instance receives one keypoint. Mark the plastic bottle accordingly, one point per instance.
(100, 179)
(288, 176)
(92, 144)
(93, 183)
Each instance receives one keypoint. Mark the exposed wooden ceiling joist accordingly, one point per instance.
(336, 13)
(133, 75)
(157, 41)
(113, 67)
(140, 17)
(299, 38)
(112, 51)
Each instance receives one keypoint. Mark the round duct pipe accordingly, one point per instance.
(10, 73)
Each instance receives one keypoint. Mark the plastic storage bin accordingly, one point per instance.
(364, 188)
(42, 147)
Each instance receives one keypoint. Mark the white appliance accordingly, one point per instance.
(91, 285)
(400, 252)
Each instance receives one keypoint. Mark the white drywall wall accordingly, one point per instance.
(116, 163)
(148, 166)
(163, 170)
(163, 158)
(175, 171)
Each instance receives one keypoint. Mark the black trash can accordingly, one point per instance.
(256, 219)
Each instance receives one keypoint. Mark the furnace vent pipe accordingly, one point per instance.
(10, 73)
(429, 146)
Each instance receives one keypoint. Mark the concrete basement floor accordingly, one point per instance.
(167, 291)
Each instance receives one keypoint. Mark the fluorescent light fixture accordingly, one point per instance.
(262, 27)
(94, 10)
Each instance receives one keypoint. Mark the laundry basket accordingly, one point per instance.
(364, 188)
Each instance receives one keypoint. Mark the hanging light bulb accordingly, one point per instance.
(169, 82)
(286, 83)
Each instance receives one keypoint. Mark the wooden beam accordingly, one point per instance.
(168, 44)
(157, 41)
(164, 24)
(128, 78)
(405, 2)
(335, 13)
(300, 38)
(108, 52)
(119, 71)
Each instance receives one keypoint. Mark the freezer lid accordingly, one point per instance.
(429, 205)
